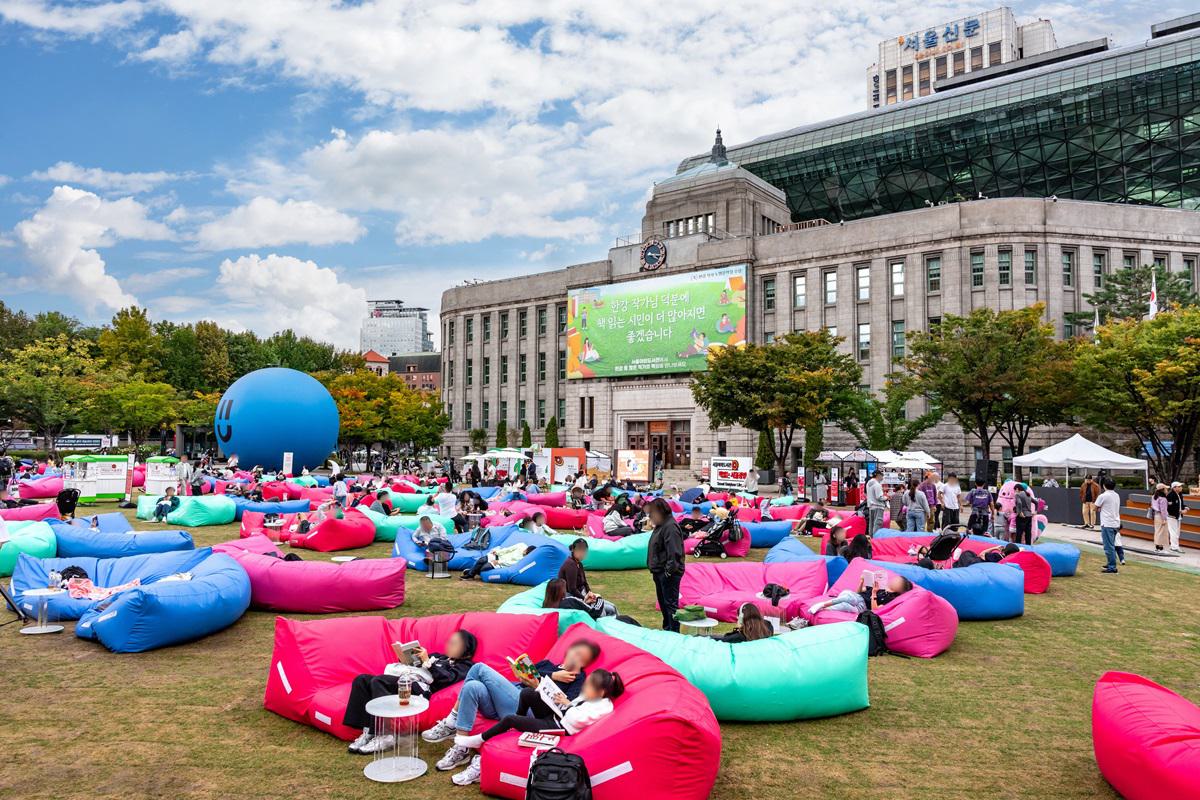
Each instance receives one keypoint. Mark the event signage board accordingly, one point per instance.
(633, 465)
(288, 457)
(729, 474)
(652, 326)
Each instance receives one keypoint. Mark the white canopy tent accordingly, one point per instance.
(1080, 453)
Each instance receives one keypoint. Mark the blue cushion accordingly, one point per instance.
(768, 534)
(113, 522)
(74, 542)
(980, 591)
(268, 507)
(791, 549)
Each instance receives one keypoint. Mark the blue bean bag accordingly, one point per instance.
(1063, 558)
(414, 554)
(267, 507)
(113, 522)
(980, 591)
(539, 566)
(705, 507)
(768, 534)
(791, 549)
(158, 612)
(76, 542)
(487, 492)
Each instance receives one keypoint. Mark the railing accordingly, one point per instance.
(637, 238)
(807, 224)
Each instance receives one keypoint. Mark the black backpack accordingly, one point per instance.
(877, 642)
(558, 775)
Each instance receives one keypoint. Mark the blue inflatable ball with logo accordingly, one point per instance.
(273, 411)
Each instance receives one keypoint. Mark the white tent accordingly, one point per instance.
(1079, 452)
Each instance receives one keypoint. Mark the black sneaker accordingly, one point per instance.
(1109, 570)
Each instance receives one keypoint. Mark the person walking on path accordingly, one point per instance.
(1109, 506)
(875, 504)
(1158, 511)
(664, 558)
(1174, 515)
(918, 508)
(1088, 492)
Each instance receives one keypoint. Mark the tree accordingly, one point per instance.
(526, 435)
(130, 343)
(478, 439)
(180, 358)
(1126, 294)
(799, 381)
(1048, 392)
(552, 432)
(1143, 376)
(215, 372)
(49, 384)
(502, 434)
(765, 457)
(376, 408)
(141, 407)
(883, 424)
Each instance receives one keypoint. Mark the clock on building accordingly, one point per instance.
(654, 255)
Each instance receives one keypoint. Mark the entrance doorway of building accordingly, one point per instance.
(670, 441)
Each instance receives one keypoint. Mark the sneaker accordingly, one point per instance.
(440, 732)
(454, 756)
(378, 744)
(357, 745)
(1109, 570)
(470, 774)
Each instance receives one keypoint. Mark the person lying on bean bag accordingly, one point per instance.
(751, 626)
(497, 558)
(866, 598)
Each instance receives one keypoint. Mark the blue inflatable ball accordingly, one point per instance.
(272, 411)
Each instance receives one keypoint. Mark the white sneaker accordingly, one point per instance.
(454, 756)
(378, 744)
(470, 774)
(357, 745)
(443, 730)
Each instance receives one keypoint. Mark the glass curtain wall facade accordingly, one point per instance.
(1119, 126)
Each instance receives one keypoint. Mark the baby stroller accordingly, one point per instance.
(945, 545)
(712, 543)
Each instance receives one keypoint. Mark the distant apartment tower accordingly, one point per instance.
(391, 328)
(910, 64)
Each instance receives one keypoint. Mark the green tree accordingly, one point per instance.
(247, 353)
(765, 457)
(376, 408)
(502, 434)
(478, 438)
(215, 371)
(798, 382)
(16, 329)
(180, 358)
(552, 432)
(1048, 392)
(814, 443)
(49, 384)
(1125, 294)
(130, 343)
(526, 435)
(142, 407)
(882, 423)
(1143, 376)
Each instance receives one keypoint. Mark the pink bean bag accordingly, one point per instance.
(41, 489)
(738, 549)
(252, 524)
(313, 663)
(1146, 738)
(139, 475)
(723, 588)
(352, 531)
(718, 497)
(558, 499)
(789, 512)
(35, 512)
(402, 488)
(316, 587)
(918, 622)
(1036, 568)
(595, 528)
(565, 518)
(661, 741)
(286, 490)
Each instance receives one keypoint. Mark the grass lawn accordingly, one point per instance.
(1005, 713)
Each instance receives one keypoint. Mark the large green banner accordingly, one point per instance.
(655, 325)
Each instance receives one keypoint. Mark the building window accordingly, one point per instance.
(1006, 456)
(450, 333)
(923, 78)
(541, 323)
(562, 411)
(799, 291)
(470, 330)
(1005, 267)
(467, 416)
(522, 322)
(939, 68)
(504, 412)
(1031, 268)
(562, 319)
(1068, 329)
(898, 340)
(450, 415)
(562, 365)
(583, 412)
(976, 58)
(890, 84)
(831, 287)
(1129, 260)
(1099, 267)
(1068, 267)
(521, 368)
(541, 417)
(934, 322)
(484, 421)
(960, 62)
(487, 370)
(1160, 261)
(768, 287)
(977, 270)
(832, 329)
(487, 327)
(521, 412)
(701, 223)
(504, 325)
(994, 55)
(1189, 269)
(864, 341)
(768, 337)
(906, 83)
(862, 279)
(470, 371)
(897, 272)
(503, 370)
(933, 274)
(450, 373)
(541, 368)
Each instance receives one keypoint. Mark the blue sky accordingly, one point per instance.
(274, 163)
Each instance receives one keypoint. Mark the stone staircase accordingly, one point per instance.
(1135, 523)
(683, 478)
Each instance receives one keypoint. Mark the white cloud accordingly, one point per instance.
(61, 238)
(541, 254)
(273, 292)
(105, 180)
(162, 279)
(76, 20)
(265, 222)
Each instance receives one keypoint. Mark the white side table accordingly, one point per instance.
(698, 625)
(400, 763)
(42, 596)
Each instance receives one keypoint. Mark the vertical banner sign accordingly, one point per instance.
(129, 478)
(834, 486)
(729, 474)
(800, 482)
(287, 463)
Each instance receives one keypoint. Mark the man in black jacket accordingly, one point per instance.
(664, 558)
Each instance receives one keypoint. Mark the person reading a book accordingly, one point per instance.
(874, 590)
(426, 532)
(574, 576)
(495, 696)
(751, 626)
(816, 517)
(428, 672)
(496, 558)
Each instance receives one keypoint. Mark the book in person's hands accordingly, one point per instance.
(538, 740)
(522, 667)
(406, 652)
(552, 695)
(868, 579)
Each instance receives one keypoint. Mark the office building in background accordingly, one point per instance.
(392, 328)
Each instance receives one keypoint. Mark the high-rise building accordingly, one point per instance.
(392, 328)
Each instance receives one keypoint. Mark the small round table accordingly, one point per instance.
(699, 624)
(41, 596)
(401, 762)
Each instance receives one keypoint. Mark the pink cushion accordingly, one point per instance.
(723, 588)
(1036, 568)
(41, 489)
(789, 512)
(286, 490)
(738, 549)
(314, 662)
(558, 499)
(918, 622)
(139, 475)
(661, 741)
(253, 523)
(1146, 738)
(595, 528)
(25, 513)
(354, 530)
(565, 518)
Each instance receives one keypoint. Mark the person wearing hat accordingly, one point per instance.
(1174, 514)
(1158, 512)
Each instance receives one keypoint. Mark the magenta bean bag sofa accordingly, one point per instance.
(1146, 738)
(40, 511)
(565, 518)
(1036, 568)
(286, 490)
(595, 528)
(557, 499)
(738, 549)
(352, 531)
(723, 588)
(41, 489)
(789, 512)
(316, 587)
(918, 622)
(661, 742)
(314, 662)
(252, 525)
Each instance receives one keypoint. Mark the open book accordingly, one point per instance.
(871, 579)
(522, 667)
(553, 696)
(406, 653)
(539, 740)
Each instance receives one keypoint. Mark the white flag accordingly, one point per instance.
(1096, 325)
(1153, 293)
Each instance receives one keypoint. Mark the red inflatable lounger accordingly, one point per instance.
(723, 588)
(1036, 568)
(314, 662)
(1146, 738)
(661, 742)
(354, 530)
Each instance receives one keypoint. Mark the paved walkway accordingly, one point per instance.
(1135, 549)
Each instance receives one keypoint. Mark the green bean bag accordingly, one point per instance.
(530, 602)
(305, 480)
(386, 527)
(33, 538)
(193, 512)
(407, 502)
(605, 554)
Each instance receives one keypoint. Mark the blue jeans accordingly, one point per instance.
(1109, 536)
(914, 520)
(486, 692)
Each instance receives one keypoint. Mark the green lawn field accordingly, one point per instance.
(1005, 713)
